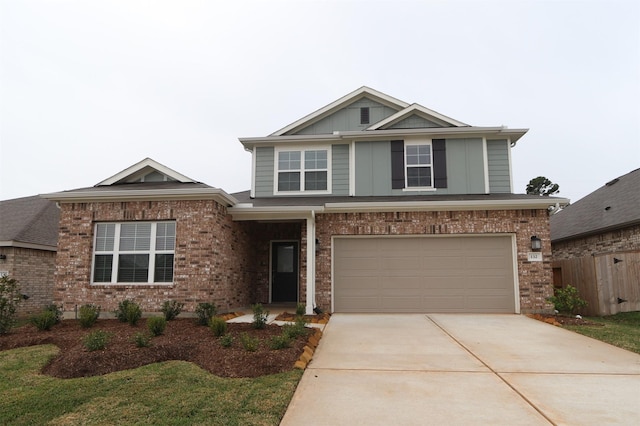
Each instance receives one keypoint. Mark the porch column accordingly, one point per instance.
(311, 263)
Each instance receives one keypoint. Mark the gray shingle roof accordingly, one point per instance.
(29, 220)
(614, 205)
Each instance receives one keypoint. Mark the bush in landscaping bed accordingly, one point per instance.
(128, 311)
(259, 316)
(171, 309)
(9, 299)
(88, 315)
(156, 325)
(205, 311)
(249, 343)
(218, 326)
(567, 300)
(142, 340)
(56, 311)
(96, 340)
(44, 320)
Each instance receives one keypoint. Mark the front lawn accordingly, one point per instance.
(167, 393)
(622, 330)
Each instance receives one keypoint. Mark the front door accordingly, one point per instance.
(284, 271)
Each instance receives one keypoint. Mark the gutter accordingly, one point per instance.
(143, 195)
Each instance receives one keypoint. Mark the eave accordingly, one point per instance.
(143, 195)
(371, 135)
(20, 244)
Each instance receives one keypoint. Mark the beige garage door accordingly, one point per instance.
(424, 274)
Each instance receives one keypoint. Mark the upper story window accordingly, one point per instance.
(134, 252)
(304, 170)
(419, 170)
(364, 115)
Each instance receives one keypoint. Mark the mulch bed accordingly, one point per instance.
(560, 320)
(182, 340)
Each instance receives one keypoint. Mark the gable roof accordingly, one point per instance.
(142, 168)
(29, 222)
(126, 186)
(613, 206)
(334, 106)
(421, 111)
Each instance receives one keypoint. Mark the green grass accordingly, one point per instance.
(168, 393)
(622, 330)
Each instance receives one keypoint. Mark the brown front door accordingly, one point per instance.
(284, 271)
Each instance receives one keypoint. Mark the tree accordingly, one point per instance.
(542, 186)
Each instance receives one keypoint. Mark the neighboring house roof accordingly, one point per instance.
(613, 206)
(29, 222)
(130, 185)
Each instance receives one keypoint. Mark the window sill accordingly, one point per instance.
(285, 193)
(419, 188)
(131, 285)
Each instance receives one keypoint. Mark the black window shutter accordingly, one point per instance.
(439, 163)
(397, 164)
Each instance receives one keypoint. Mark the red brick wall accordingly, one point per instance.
(534, 277)
(34, 270)
(213, 256)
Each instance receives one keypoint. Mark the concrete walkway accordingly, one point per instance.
(441, 369)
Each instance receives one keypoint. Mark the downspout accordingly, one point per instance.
(311, 263)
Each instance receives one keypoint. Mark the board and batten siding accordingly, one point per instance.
(265, 157)
(414, 122)
(373, 168)
(348, 118)
(498, 162)
(340, 169)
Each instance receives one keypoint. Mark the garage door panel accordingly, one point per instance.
(424, 274)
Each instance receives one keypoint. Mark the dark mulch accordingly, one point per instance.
(560, 320)
(182, 340)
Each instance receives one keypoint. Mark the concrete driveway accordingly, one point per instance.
(438, 369)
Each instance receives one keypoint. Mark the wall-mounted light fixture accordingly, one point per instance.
(317, 245)
(3, 256)
(536, 243)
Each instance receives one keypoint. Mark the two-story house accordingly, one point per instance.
(369, 204)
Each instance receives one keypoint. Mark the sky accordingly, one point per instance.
(89, 88)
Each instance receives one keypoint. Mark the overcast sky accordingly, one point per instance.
(88, 88)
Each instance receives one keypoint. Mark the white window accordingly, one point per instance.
(302, 171)
(418, 162)
(134, 252)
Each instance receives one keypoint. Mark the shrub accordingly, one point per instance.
(249, 343)
(259, 316)
(56, 311)
(88, 315)
(128, 311)
(226, 341)
(280, 342)
(44, 320)
(567, 300)
(218, 326)
(300, 309)
(171, 309)
(156, 325)
(96, 340)
(142, 340)
(293, 331)
(205, 311)
(9, 299)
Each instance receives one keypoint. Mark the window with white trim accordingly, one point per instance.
(302, 170)
(134, 252)
(418, 163)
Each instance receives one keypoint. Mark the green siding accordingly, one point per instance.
(498, 159)
(340, 169)
(348, 118)
(373, 168)
(465, 166)
(414, 122)
(264, 171)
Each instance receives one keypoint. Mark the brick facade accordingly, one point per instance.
(625, 239)
(213, 256)
(534, 277)
(34, 270)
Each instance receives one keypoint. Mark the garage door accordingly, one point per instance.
(424, 274)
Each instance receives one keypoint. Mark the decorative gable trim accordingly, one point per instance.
(421, 111)
(327, 110)
(144, 167)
